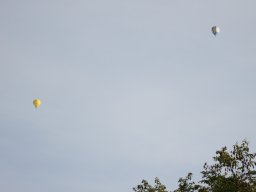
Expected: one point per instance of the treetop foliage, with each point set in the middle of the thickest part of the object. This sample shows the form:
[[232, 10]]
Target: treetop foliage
[[233, 171]]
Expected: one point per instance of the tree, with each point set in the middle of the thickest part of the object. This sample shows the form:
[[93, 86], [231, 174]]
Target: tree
[[145, 187], [232, 172]]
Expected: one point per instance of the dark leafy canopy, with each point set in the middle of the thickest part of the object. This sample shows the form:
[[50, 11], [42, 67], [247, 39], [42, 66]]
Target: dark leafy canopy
[[145, 187], [232, 171]]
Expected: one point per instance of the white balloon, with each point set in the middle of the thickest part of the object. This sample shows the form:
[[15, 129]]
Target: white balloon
[[215, 30]]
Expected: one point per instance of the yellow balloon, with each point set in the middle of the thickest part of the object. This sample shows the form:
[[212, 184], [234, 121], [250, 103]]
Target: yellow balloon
[[37, 103]]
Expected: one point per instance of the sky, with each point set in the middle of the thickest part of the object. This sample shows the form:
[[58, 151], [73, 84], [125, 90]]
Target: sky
[[130, 90]]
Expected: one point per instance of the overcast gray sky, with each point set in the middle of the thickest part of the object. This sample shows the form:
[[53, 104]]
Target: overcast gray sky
[[130, 90]]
